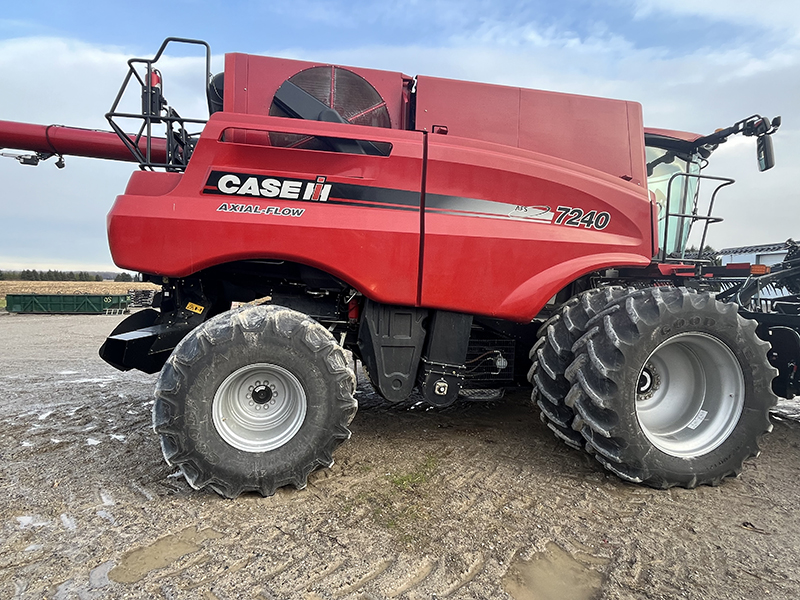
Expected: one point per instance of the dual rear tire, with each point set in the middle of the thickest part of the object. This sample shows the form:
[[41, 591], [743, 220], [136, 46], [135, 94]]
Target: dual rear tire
[[666, 386], [552, 354]]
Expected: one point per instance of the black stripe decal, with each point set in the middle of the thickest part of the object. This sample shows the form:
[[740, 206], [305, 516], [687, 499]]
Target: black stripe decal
[[365, 196], [370, 205], [343, 191], [349, 191]]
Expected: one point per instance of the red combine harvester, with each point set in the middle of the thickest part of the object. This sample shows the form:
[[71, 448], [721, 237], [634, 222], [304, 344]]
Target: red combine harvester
[[459, 238]]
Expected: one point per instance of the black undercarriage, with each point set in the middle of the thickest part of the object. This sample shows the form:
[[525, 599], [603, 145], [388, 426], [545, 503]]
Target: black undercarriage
[[440, 353]]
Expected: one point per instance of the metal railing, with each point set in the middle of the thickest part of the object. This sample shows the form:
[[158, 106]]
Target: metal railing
[[178, 142], [691, 217]]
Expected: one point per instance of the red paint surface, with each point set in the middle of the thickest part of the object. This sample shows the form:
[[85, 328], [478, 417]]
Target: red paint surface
[[497, 267], [181, 232], [72, 141], [509, 268], [596, 132]]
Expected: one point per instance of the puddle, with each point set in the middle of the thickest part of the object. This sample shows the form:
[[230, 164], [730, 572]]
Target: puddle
[[135, 564], [788, 409], [552, 575], [28, 521]]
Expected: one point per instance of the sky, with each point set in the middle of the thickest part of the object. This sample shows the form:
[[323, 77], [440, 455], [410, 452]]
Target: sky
[[694, 66]]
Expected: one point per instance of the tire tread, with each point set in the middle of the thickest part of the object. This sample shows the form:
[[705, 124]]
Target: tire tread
[[246, 323], [597, 396], [553, 353]]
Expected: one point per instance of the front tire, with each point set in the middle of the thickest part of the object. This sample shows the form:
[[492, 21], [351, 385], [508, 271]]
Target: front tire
[[671, 388], [252, 400]]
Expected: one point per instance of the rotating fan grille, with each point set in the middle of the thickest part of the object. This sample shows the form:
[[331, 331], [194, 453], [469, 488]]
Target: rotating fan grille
[[349, 94]]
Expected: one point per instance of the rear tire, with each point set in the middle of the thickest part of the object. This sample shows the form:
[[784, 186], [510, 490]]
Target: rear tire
[[252, 400], [552, 354], [672, 388]]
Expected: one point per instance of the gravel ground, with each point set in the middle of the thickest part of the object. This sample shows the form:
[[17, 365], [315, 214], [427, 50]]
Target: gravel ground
[[477, 501]]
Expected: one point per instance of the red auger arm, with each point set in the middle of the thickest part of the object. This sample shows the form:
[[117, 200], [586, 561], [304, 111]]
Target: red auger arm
[[49, 140]]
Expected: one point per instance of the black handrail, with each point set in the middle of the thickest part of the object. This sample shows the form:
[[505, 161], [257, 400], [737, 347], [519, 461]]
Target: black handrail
[[179, 143], [708, 218]]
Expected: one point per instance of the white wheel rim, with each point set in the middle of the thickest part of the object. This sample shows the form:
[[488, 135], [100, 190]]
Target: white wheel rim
[[690, 395], [259, 407]]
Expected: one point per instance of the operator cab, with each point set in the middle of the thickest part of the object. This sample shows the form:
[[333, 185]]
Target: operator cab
[[674, 161], [672, 178]]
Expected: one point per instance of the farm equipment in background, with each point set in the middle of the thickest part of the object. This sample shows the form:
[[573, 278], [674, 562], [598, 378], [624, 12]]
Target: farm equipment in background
[[458, 238], [69, 304]]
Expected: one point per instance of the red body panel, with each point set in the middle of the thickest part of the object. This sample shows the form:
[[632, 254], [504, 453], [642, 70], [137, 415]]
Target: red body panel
[[373, 249], [527, 192], [510, 262], [600, 133], [72, 141], [487, 261]]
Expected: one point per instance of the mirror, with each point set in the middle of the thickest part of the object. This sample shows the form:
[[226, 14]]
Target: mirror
[[764, 152]]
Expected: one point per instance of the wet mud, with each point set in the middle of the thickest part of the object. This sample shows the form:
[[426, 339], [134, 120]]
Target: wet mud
[[478, 501]]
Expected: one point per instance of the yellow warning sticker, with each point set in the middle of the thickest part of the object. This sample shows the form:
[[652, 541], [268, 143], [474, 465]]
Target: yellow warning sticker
[[195, 308]]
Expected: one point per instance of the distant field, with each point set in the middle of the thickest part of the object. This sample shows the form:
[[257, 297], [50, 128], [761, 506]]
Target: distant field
[[69, 287]]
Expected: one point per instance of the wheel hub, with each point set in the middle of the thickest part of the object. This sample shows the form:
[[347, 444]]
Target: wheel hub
[[262, 394], [649, 382]]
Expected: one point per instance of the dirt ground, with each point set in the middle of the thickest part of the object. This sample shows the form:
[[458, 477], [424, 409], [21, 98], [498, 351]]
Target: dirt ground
[[478, 501]]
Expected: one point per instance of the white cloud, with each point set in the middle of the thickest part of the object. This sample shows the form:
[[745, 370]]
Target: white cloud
[[774, 14], [58, 81], [55, 80]]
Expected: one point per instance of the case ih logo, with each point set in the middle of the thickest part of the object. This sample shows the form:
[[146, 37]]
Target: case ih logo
[[260, 186]]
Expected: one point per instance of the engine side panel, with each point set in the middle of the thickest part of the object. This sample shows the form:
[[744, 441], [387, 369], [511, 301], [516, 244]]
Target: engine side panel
[[601, 133], [499, 237], [234, 202], [505, 229]]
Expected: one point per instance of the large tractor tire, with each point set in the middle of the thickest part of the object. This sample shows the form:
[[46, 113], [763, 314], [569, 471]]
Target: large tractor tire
[[552, 354], [252, 400], [671, 388]]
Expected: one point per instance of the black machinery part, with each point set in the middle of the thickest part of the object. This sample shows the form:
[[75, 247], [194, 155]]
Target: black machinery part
[[146, 338], [333, 94], [442, 374], [390, 340]]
